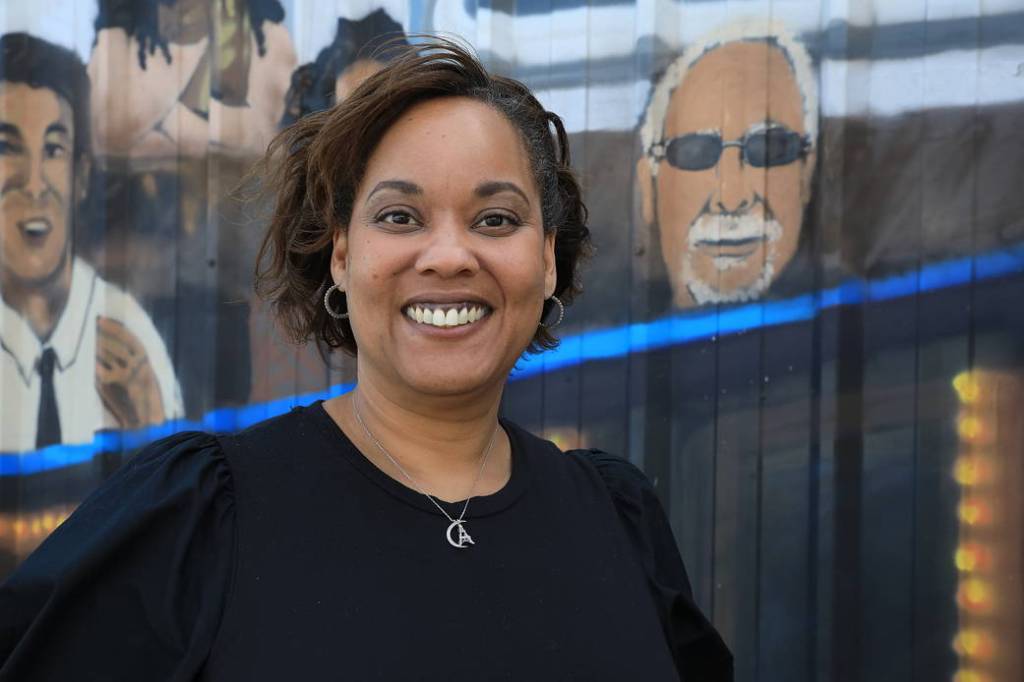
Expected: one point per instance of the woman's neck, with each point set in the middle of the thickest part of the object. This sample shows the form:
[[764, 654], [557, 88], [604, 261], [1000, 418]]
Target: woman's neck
[[438, 441]]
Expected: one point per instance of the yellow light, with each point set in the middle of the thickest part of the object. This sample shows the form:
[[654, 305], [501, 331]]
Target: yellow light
[[974, 512], [975, 595], [967, 675], [974, 644], [967, 387], [968, 470], [966, 560], [972, 557], [969, 428]]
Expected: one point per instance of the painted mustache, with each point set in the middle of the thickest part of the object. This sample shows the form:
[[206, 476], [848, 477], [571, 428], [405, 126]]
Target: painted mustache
[[718, 230]]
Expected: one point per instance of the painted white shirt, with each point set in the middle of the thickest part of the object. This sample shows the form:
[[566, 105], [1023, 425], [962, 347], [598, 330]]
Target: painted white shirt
[[79, 406]]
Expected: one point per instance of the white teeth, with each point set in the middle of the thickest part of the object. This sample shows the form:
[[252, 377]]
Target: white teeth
[[452, 317], [37, 226]]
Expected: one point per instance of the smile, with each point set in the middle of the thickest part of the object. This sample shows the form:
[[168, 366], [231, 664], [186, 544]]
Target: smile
[[36, 227], [446, 314]]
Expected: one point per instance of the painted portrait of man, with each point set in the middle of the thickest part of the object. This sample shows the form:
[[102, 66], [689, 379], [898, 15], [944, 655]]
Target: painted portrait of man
[[728, 154], [78, 355]]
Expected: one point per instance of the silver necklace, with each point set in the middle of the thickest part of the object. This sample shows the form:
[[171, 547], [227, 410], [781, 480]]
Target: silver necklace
[[455, 534]]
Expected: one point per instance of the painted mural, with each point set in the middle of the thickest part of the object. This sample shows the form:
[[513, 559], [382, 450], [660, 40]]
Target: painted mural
[[803, 319]]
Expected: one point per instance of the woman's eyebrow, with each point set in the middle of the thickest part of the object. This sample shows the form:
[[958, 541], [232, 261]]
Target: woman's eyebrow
[[403, 186], [487, 189]]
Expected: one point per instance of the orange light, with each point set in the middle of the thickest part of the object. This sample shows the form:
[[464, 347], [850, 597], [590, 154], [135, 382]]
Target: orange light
[[974, 512], [967, 387], [971, 556], [974, 644], [975, 595]]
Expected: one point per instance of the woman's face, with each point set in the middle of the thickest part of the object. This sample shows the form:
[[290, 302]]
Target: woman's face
[[446, 227]]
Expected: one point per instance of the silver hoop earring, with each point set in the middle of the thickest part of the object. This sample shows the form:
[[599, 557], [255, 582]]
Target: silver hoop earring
[[327, 305], [561, 313]]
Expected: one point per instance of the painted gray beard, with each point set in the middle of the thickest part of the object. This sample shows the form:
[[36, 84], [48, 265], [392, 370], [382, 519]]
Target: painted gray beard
[[709, 227]]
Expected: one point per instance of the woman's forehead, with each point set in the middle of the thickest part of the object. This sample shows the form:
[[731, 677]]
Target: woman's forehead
[[449, 143]]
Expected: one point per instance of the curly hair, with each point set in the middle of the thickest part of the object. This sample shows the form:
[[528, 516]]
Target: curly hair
[[315, 166]]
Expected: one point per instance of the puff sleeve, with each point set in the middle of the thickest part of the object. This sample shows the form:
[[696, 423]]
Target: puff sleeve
[[132, 585], [698, 649]]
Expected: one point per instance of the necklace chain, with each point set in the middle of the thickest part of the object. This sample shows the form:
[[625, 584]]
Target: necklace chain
[[380, 446]]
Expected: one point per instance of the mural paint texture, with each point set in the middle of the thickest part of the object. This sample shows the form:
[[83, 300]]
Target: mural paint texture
[[810, 265]]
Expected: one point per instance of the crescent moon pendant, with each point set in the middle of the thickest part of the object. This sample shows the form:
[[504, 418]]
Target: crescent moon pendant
[[463, 540]]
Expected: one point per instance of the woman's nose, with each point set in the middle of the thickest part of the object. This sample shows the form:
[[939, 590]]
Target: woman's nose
[[448, 250]]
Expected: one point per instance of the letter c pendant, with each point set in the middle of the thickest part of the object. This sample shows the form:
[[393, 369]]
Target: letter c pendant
[[463, 540]]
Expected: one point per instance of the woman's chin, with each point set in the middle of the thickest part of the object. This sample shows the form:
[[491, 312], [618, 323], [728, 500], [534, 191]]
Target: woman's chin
[[449, 381]]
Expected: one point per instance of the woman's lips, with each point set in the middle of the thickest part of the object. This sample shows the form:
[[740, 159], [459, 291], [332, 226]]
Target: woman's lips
[[447, 315]]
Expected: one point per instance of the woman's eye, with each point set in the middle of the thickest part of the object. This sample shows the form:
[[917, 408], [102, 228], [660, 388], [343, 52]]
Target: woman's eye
[[397, 218], [498, 222]]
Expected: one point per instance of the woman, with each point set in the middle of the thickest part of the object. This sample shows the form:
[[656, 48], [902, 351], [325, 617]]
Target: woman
[[402, 531]]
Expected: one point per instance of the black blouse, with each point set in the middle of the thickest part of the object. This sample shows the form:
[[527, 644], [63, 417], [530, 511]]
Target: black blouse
[[283, 553]]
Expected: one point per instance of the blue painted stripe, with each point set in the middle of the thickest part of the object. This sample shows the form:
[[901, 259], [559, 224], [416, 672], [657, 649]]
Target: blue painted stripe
[[601, 344], [222, 420], [703, 324]]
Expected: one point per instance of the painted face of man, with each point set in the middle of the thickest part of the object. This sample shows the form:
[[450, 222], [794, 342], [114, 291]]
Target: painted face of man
[[36, 185], [733, 175]]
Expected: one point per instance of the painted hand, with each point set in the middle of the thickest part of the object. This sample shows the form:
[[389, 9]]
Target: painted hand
[[125, 378]]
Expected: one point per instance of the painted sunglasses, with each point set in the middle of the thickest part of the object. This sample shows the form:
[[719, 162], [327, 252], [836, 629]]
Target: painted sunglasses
[[762, 149]]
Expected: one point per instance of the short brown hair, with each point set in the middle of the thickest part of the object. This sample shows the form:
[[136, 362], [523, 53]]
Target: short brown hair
[[314, 168]]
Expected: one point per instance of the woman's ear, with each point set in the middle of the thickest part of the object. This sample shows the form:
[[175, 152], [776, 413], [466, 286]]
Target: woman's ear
[[339, 258], [550, 268]]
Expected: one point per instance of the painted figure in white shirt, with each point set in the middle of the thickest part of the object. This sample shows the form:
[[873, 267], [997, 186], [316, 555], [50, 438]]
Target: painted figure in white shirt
[[110, 367]]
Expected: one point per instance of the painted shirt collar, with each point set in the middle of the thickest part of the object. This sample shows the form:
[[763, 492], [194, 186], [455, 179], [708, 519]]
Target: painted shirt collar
[[18, 339]]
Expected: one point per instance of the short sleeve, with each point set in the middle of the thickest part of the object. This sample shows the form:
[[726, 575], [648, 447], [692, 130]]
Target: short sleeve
[[698, 649], [132, 585]]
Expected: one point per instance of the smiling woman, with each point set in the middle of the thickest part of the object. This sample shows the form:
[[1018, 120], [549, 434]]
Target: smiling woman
[[431, 225]]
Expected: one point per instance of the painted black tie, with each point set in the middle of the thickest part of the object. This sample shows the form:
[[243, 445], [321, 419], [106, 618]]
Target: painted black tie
[[48, 424]]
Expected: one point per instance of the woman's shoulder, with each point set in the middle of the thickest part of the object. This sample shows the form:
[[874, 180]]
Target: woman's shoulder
[[154, 544], [624, 481], [165, 469], [279, 442], [620, 475]]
